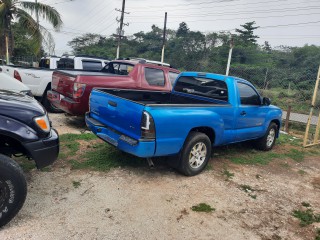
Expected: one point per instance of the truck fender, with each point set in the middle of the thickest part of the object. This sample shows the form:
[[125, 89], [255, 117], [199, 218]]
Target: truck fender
[[273, 116], [16, 130], [214, 129]]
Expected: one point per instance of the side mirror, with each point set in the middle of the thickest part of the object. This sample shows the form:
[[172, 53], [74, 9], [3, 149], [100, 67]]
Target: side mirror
[[266, 101]]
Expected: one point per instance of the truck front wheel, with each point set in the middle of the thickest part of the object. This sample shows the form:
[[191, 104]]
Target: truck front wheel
[[267, 142], [195, 154], [13, 189]]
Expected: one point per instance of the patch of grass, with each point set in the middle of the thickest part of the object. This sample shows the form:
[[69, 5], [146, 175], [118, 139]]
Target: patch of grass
[[296, 155], [46, 169], [246, 188], [68, 137], [209, 167], [306, 217], [203, 207], [255, 157], [253, 196], [317, 234], [306, 204], [301, 172], [104, 157], [286, 139], [284, 165], [76, 184], [26, 164], [227, 174], [70, 144]]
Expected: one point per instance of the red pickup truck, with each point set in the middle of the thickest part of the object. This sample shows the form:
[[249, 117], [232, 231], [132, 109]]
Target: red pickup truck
[[71, 89]]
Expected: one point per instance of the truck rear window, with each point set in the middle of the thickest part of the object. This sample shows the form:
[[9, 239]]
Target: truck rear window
[[154, 77], [205, 87]]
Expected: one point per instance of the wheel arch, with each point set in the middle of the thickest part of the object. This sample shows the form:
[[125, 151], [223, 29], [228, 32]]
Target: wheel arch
[[206, 130], [277, 122], [10, 144]]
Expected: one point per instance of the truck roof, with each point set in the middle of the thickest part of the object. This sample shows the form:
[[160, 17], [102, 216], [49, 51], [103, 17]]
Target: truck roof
[[136, 61]]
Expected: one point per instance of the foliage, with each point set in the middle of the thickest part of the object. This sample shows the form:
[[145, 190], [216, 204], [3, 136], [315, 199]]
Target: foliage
[[203, 207], [21, 12]]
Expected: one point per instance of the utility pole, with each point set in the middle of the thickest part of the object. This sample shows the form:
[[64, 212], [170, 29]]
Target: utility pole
[[164, 36], [230, 55], [120, 33], [37, 13]]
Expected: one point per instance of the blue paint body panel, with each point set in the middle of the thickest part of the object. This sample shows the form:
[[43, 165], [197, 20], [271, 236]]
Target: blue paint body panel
[[116, 115]]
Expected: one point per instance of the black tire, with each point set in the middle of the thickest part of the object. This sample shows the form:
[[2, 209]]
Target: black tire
[[267, 142], [47, 104], [191, 164], [13, 189]]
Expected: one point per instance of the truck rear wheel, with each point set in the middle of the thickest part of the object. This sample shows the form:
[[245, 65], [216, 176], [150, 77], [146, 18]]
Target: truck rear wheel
[[267, 142], [13, 189], [195, 154]]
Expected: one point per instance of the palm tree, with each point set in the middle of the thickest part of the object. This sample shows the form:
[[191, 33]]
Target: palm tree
[[21, 12]]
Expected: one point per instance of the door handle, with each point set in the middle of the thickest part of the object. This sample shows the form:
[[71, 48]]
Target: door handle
[[243, 113]]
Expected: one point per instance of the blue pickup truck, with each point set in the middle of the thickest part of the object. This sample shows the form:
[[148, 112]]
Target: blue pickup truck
[[202, 110]]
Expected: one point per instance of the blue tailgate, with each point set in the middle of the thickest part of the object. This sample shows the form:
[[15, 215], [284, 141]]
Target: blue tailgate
[[118, 121]]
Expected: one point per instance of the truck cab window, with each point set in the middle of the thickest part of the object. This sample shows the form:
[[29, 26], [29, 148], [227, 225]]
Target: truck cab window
[[154, 77], [91, 65], [248, 96]]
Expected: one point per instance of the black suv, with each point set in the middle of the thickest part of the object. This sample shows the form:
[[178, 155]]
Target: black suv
[[25, 130]]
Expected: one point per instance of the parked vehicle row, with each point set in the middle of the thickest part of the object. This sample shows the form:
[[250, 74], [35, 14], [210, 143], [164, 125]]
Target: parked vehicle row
[[144, 108], [39, 79], [71, 89]]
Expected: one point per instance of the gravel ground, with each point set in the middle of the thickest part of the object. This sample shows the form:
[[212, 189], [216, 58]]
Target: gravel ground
[[156, 203]]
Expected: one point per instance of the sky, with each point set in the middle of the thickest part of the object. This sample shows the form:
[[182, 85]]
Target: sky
[[281, 22]]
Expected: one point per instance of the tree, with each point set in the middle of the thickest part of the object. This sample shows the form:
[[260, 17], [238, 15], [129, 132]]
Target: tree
[[21, 11], [183, 30], [246, 34]]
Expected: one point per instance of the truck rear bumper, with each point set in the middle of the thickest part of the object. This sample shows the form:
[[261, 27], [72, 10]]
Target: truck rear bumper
[[45, 151], [66, 104], [125, 143]]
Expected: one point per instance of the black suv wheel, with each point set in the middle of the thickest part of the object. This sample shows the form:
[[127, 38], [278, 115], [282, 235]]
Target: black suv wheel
[[13, 189]]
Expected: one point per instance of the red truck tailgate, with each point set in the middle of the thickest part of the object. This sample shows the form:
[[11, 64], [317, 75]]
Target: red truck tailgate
[[63, 83]]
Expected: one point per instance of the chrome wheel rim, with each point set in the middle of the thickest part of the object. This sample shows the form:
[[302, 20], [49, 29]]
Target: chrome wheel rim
[[271, 136], [197, 155]]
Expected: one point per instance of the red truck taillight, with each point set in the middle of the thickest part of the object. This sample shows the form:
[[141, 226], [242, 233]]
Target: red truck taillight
[[78, 89], [147, 126], [17, 76]]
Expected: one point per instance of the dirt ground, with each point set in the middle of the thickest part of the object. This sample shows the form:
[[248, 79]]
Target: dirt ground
[[145, 203]]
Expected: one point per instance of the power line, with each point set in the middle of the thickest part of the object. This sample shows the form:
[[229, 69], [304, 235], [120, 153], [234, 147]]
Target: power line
[[217, 7], [239, 12]]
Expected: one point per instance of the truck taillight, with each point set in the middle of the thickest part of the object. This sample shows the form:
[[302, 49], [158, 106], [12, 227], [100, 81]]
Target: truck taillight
[[147, 126], [17, 76], [78, 89]]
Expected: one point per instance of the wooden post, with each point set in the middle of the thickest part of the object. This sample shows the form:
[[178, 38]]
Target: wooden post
[[286, 126], [311, 114], [7, 48]]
